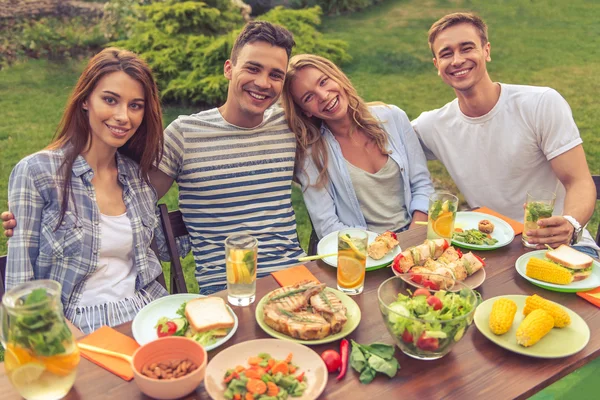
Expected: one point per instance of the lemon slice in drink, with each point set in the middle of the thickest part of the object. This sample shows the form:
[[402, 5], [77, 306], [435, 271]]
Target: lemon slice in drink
[[27, 374], [351, 271], [355, 249]]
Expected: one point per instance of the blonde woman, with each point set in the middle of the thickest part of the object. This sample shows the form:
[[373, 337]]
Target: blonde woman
[[359, 165]]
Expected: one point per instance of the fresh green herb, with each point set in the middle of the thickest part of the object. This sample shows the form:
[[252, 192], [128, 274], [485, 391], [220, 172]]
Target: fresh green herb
[[250, 262], [295, 317], [288, 294], [435, 209], [42, 329], [324, 297], [537, 210], [373, 358]]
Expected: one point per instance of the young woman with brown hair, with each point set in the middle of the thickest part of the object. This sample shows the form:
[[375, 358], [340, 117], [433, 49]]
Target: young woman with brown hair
[[84, 204]]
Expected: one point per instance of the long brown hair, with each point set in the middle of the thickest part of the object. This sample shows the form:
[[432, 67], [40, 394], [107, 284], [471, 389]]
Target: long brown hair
[[308, 129], [73, 133]]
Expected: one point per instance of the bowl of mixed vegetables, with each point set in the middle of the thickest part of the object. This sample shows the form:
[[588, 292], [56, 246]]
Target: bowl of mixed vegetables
[[426, 324]]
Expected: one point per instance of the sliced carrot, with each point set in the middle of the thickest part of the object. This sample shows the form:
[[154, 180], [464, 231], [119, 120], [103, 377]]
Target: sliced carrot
[[288, 359], [237, 396], [254, 360], [255, 373], [292, 368], [272, 389], [249, 396], [239, 369], [256, 386], [280, 367], [271, 362]]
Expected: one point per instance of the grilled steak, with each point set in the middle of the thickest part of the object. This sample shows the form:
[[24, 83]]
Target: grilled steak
[[331, 308], [300, 325], [294, 298]]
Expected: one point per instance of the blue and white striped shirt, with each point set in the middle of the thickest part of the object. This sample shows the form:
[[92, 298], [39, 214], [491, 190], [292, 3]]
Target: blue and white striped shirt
[[69, 254], [234, 180]]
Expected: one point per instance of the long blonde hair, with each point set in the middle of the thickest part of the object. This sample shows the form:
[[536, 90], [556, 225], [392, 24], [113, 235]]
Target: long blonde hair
[[308, 129]]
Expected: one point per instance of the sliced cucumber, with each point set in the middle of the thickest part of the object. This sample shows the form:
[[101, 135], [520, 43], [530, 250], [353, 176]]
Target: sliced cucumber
[[182, 325]]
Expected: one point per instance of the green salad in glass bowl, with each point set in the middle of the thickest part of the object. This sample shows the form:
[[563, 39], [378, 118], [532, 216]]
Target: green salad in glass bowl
[[425, 323]]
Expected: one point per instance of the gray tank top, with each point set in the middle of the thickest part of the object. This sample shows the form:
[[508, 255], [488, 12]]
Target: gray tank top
[[381, 196]]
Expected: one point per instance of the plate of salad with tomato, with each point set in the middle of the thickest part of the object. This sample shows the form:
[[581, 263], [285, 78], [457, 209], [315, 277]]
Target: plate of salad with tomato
[[166, 317]]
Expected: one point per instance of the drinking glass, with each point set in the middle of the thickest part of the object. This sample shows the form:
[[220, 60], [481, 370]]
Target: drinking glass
[[240, 257], [352, 260], [442, 214], [41, 357], [539, 204]]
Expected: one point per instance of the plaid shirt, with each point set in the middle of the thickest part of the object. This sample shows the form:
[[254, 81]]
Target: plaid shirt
[[69, 254]]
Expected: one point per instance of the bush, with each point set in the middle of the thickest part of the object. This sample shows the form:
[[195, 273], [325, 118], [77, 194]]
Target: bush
[[187, 42], [60, 37], [329, 7]]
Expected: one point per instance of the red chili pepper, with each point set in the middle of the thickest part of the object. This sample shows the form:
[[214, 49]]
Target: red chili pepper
[[445, 245], [460, 253], [344, 349], [300, 377], [480, 259]]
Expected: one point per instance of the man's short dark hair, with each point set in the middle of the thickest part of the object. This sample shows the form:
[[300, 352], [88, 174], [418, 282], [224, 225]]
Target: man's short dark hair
[[262, 31]]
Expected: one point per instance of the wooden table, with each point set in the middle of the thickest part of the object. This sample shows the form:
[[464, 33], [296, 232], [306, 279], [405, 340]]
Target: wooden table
[[475, 368]]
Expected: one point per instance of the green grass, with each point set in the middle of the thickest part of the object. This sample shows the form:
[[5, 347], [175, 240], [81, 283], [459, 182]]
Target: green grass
[[537, 43]]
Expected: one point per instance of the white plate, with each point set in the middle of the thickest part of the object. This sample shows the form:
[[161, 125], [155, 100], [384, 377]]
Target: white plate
[[143, 326], [592, 282], [306, 359], [503, 232], [558, 343], [329, 244]]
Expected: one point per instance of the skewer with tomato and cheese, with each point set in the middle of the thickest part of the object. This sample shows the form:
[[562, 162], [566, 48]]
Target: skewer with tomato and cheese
[[418, 255]]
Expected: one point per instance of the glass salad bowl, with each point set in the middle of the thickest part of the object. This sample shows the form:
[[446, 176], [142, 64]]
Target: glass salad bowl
[[426, 323]]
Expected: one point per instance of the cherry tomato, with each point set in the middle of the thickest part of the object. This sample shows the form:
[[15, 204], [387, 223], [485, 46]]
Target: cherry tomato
[[460, 253], [333, 360], [167, 329], [435, 302], [407, 337], [427, 344], [421, 292], [445, 245], [430, 285], [393, 234]]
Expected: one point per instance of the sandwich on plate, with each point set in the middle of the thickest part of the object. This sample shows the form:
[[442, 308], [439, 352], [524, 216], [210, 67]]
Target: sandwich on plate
[[204, 320], [561, 266]]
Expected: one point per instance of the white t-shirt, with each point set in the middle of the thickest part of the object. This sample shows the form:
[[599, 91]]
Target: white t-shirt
[[114, 277], [496, 158]]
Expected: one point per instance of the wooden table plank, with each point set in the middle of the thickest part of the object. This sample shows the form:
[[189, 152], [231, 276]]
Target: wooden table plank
[[475, 368]]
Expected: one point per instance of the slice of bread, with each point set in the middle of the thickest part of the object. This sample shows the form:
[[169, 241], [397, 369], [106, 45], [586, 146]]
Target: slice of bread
[[206, 313], [569, 257]]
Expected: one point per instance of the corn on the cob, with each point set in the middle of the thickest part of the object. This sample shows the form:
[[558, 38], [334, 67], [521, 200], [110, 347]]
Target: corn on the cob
[[561, 318], [534, 327], [502, 316], [548, 272]]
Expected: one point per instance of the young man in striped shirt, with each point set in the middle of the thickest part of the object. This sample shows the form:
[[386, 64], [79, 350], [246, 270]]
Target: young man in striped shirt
[[234, 164]]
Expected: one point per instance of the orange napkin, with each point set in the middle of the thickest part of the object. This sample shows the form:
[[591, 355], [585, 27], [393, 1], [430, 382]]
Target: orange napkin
[[293, 275], [593, 296], [109, 339], [517, 226]]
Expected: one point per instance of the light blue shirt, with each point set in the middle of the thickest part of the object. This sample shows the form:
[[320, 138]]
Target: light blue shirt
[[335, 206]]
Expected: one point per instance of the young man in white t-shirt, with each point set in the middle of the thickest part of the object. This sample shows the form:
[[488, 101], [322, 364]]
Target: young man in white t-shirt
[[498, 141]]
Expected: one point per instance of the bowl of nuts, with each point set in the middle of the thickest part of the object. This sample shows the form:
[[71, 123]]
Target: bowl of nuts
[[170, 367]]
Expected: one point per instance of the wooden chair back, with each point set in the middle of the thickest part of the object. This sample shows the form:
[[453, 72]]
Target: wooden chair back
[[2, 274], [173, 227], [597, 182]]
